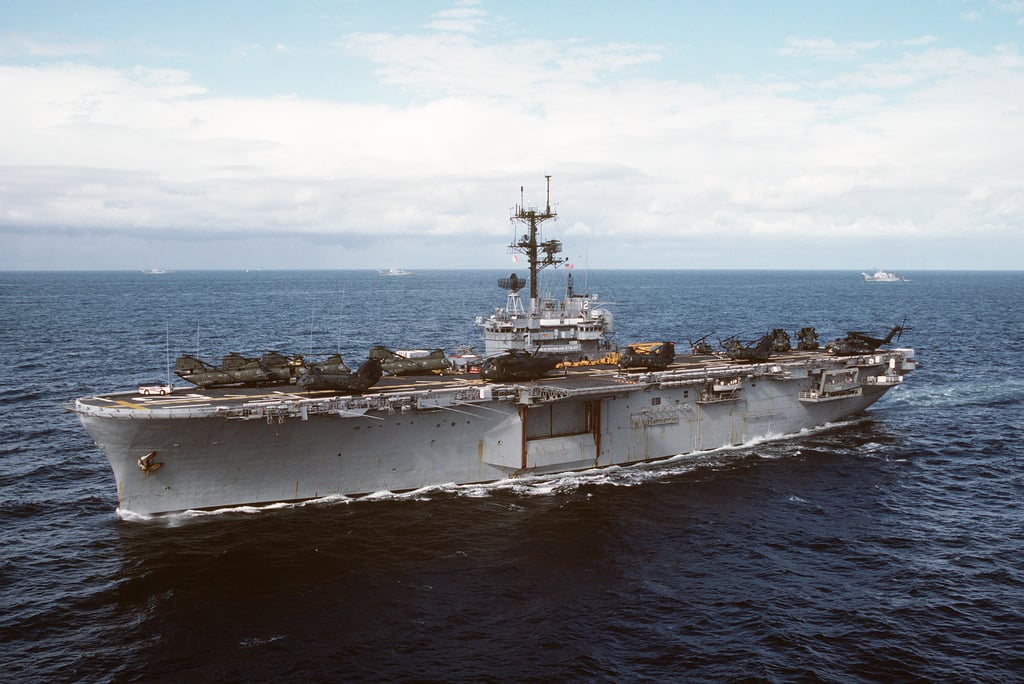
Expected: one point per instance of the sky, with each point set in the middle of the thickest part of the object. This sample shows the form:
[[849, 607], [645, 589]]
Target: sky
[[343, 134]]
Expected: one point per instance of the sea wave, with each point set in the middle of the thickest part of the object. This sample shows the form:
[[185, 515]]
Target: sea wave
[[885, 548]]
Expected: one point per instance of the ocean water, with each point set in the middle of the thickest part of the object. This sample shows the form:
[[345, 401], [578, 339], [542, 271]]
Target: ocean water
[[889, 548]]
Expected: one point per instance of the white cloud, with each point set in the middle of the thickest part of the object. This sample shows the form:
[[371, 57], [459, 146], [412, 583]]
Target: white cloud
[[827, 48], [447, 64], [919, 41], [935, 66], [17, 44], [923, 144], [465, 17], [1011, 7]]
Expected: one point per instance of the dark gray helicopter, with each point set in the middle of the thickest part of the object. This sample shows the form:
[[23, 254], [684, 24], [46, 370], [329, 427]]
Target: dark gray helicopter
[[201, 373], [281, 369], [756, 352], [648, 355], [516, 365], [415, 362], [857, 342], [808, 339], [273, 368], [332, 365], [338, 376], [780, 340], [702, 347]]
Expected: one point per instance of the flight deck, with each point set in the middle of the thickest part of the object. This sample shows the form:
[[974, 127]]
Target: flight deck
[[581, 378]]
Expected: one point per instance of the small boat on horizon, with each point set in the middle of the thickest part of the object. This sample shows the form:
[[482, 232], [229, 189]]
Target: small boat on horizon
[[395, 272], [880, 276]]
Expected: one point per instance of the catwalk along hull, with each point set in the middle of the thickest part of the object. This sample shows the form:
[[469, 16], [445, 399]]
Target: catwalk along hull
[[219, 448]]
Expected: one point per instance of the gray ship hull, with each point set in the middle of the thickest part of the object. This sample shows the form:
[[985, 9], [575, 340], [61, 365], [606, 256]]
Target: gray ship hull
[[210, 450]]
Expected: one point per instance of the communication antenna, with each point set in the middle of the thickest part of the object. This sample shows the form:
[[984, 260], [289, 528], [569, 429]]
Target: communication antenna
[[167, 350], [539, 255], [312, 314], [340, 310]]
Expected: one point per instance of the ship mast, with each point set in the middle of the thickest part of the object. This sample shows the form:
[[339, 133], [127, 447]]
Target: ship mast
[[539, 254]]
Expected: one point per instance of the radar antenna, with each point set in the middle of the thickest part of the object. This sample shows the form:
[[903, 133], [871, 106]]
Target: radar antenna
[[539, 255]]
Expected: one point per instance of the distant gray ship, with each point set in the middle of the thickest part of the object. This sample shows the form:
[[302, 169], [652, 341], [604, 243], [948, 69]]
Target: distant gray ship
[[227, 446], [880, 276]]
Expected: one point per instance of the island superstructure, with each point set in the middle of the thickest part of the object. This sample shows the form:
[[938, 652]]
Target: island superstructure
[[228, 446], [572, 327]]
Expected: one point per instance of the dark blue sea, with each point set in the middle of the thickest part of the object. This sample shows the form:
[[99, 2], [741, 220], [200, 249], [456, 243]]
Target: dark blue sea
[[888, 548]]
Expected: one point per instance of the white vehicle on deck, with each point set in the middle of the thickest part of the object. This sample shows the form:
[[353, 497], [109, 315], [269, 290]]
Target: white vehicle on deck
[[160, 390]]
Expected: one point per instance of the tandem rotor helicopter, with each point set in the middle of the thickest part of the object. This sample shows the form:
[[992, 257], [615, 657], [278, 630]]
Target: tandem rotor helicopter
[[410, 362], [274, 368]]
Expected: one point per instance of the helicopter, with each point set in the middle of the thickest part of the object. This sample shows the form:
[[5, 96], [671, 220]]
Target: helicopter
[[780, 340], [281, 369], [516, 365], [332, 365], [649, 355], [757, 351], [201, 373], [701, 346], [410, 362], [235, 369], [273, 368], [857, 342], [337, 376], [808, 339]]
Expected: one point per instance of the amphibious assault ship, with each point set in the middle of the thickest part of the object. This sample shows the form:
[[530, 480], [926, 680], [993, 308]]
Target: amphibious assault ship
[[217, 446]]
